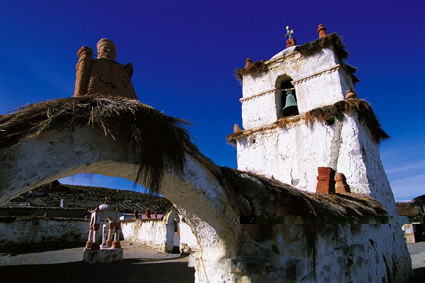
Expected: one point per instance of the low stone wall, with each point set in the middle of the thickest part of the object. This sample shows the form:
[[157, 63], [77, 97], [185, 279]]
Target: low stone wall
[[153, 233], [150, 232], [38, 230], [40, 211]]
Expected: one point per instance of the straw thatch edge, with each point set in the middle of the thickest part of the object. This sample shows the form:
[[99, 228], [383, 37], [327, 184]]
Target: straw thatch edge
[[301, 203], [335, 40], [327, 114], [254, 70], [140, 126], [306, 50]]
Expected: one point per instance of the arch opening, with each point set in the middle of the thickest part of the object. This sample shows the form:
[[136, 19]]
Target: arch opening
[[286, 98], [173, 232]]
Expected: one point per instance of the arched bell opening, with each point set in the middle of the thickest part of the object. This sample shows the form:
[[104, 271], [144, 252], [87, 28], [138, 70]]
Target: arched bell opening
[[286, 99]]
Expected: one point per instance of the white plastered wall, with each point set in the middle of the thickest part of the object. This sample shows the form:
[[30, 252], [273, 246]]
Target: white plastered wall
[[318, 79], [293, 154]]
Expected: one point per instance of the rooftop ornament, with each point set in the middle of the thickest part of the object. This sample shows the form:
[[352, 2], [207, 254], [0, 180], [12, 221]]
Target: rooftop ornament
[[322, 31], [291, 41], [103, 76], [248, 63]]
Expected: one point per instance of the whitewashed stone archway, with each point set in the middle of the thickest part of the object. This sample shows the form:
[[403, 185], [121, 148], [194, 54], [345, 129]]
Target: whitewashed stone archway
[[209, 199], [70, 151]]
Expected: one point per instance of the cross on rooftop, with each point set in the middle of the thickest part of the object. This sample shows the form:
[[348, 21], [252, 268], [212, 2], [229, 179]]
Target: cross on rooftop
[[289, 32]]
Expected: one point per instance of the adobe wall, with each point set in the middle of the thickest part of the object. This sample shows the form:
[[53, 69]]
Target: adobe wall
[[292, 155], [152, 233], [227, 251], [149, 233], [38, 230], [329, 253]]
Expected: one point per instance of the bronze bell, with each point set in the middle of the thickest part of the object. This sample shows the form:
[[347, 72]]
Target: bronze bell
[[291, 106]]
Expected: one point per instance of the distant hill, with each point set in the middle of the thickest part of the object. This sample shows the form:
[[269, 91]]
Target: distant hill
[[50, 195]]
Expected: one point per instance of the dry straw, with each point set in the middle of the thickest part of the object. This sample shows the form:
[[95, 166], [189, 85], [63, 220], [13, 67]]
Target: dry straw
[[158, 140], [327, 114], [306, 50], [301, 203]]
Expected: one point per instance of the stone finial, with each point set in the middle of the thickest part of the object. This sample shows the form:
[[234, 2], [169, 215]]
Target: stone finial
[[341, 184], [325, 180], [103, 76], [89, 244], [106, 48], [236, 128], [291, 42], [248, 63], [116, 244], [322, 31], [351, 95]]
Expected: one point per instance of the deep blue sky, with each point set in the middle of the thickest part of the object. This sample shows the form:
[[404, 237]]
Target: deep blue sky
[[184, 54]]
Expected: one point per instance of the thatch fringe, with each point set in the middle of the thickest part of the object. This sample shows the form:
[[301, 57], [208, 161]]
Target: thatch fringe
[[254, 70], [328, 114], [301, 203], [335, 40], [158, 140]]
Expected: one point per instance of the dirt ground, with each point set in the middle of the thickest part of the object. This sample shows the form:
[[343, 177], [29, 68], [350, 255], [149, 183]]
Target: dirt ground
[[64, 264]]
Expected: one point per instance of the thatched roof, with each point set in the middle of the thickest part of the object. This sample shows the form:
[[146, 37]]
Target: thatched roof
[[255, 68], [335, 40], [141, 125], [251, 186], [328, 114], [405, 209], [306, 50]]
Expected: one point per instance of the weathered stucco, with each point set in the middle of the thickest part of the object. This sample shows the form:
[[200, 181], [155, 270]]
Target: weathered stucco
[[159, 234], [292, 155], [39, 230], [75, 150], [227, 252], [150, 233]]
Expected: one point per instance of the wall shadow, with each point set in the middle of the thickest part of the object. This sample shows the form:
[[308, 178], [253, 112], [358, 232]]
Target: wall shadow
[[126, 271]]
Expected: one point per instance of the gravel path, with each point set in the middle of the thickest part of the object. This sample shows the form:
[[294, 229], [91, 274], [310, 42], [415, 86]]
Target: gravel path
[[65, 265]]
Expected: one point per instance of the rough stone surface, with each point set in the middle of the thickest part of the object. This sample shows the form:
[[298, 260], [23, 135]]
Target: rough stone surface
[[159, 234], [103, 76], [103, 255], [36, 230], [293, 154]]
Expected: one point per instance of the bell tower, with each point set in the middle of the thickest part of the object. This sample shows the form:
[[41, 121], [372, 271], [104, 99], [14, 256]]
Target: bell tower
[[300, 112]]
